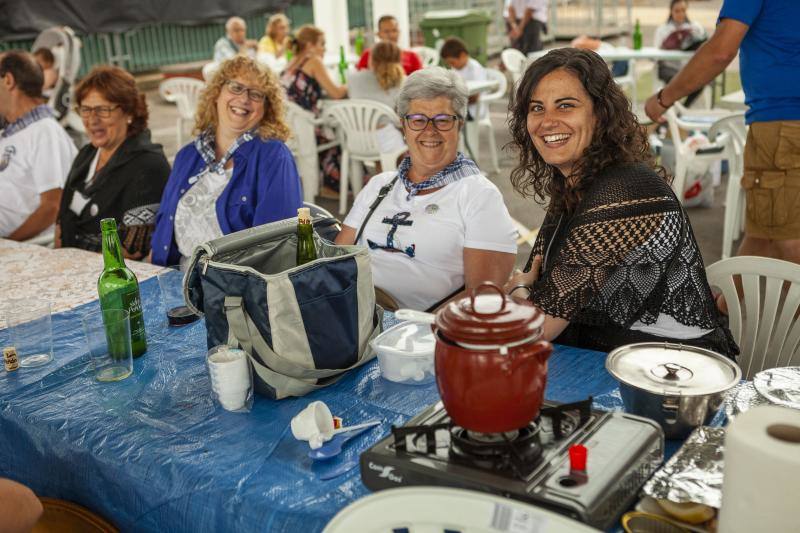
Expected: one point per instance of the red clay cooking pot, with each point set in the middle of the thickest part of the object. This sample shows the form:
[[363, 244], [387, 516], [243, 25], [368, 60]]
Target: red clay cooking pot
[[491, 367]]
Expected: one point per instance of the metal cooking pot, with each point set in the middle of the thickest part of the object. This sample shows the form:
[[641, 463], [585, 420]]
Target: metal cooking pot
[[680, 387], [491, 366]]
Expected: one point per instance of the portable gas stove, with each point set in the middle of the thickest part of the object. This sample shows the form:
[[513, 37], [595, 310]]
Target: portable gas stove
[[531, 464]]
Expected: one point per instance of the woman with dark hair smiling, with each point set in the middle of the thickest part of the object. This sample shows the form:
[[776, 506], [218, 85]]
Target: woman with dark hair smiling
[[615, 261]]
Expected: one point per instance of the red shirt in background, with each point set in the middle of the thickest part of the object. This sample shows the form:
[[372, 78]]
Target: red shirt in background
[[409, 59]]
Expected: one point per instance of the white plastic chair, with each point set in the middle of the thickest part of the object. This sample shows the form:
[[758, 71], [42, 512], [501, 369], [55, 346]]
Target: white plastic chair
[[732, 132], [485, 122], [515, 62], [357, 122], [771, 330], [429, 56], [684, 155], [303, 145], [184, 92]]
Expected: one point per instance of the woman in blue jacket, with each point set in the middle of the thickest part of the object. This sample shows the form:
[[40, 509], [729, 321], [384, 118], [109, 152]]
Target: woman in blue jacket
[[237, 173]]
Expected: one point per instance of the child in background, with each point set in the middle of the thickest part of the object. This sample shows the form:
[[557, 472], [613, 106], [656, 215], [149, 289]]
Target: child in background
[[45, 58], [454, 52]]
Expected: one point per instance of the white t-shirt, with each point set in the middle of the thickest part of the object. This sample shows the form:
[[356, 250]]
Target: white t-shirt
[[469, 213], [34, 160], [474, 71], [539, 7], [196, 215]]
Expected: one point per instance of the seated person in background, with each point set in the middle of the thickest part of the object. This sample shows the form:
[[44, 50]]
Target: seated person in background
[[238, 173], [678, 33], [35, 151], [120, 174], [584, 42], [389, 30], [381, 83], [235, 41], [276, 36], [305, 79], [454, 52], [45, 58], [443, 225], [20, 509], [615, 261]]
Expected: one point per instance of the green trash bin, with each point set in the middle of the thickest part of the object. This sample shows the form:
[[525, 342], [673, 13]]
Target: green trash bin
[[469, 25]]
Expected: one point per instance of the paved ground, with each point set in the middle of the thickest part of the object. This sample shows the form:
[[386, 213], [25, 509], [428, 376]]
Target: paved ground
[[707, 222]]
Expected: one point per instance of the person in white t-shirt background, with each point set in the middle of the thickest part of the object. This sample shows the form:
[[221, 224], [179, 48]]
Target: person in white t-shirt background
[[454, 52], [35, 151], [442, 225]]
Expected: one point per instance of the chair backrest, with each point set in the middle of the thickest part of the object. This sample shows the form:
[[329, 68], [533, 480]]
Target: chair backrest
[[502, 86], [358, 121], [429, 56], [209, 69], [771, 331], [515, 62], [185, 92], [301, 122], [733, 130]]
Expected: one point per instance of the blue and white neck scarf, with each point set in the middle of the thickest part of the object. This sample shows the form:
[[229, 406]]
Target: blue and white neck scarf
[[34, 115], [205, 145], [461, 167]]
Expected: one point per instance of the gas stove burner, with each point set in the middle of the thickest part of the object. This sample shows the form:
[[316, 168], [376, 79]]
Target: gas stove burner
[[518, 451]]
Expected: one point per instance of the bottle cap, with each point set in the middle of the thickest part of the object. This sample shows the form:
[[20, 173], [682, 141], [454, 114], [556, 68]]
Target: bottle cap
[[108, 224], [10, 358], [577, 457], [304, 215]]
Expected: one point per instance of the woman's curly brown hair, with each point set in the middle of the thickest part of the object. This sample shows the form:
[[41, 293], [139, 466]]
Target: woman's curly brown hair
[[617, 138], [273, 123]]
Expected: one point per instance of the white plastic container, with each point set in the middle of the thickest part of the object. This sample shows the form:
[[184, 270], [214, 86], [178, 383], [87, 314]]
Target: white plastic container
[[406, 353]]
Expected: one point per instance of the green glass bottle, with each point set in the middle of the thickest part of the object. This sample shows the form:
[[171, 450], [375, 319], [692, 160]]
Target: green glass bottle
[[637, 36], [342, 66], [118, 287], [359, 43], [306, 251]]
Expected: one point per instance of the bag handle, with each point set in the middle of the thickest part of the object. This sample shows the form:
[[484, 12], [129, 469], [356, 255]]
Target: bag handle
[[383, 193], [242, 331]]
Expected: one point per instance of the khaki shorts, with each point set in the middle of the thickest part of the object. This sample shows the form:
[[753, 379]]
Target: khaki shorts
[[771, 180]]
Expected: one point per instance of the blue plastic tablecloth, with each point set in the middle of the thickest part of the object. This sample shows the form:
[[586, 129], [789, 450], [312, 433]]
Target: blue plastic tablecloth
[[154, 453]]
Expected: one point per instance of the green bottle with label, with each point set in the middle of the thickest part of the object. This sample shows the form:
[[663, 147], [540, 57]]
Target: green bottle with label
[[306, 251], [118, 287], [342, 66], [637, 36]]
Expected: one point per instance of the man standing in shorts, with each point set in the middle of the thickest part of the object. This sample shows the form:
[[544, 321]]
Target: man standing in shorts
[[765, 33]]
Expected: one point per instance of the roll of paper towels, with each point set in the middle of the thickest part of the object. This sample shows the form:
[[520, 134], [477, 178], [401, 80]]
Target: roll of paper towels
[[761, 479]]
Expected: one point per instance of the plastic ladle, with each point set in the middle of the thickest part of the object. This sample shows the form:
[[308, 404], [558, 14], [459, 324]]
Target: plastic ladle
[[333, 447]]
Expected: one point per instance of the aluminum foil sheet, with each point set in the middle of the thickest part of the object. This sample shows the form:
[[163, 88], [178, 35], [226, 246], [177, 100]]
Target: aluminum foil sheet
[[694, 473], [741, 398], [780, 385]]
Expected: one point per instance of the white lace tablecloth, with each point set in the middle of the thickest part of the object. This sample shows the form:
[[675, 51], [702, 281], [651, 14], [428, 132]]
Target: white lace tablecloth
[[66, 277]]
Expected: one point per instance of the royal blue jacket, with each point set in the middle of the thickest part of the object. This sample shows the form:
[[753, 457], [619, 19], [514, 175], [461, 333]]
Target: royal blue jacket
[[265, 187]]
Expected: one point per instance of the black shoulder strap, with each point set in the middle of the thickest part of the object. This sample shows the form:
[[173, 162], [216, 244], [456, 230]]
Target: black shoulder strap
[[381, 195], [433, 308]]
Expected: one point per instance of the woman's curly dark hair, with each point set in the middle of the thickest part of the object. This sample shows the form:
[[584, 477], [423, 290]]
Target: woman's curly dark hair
[[617, 138]]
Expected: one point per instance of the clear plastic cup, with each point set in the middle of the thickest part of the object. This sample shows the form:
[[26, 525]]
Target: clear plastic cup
[[30, 330], [231, 377], [108, 335]]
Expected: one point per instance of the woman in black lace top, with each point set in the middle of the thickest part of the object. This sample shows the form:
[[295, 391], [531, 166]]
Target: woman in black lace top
[[615, 261]]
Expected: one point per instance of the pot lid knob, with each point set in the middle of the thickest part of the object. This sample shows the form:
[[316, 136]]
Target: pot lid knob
[[487, 285], [672, 372]]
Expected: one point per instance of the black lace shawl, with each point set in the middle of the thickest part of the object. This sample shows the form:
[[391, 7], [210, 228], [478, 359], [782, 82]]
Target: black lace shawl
[[626, 254]]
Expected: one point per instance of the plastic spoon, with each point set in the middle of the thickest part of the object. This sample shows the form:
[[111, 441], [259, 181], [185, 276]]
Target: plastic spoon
[[339, 470], [333, 447]]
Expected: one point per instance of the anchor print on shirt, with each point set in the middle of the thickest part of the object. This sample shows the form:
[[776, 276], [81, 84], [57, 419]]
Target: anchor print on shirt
[[400, 219]]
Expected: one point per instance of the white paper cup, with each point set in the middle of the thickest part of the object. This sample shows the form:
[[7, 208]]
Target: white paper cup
[[315, 419], [231, 380], [232, 400]]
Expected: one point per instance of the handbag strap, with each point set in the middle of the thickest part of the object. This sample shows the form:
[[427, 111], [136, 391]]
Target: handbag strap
[[285, 376], [383, 193]]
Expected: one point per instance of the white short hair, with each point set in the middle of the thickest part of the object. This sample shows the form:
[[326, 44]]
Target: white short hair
[[234, 20], [430, 83]]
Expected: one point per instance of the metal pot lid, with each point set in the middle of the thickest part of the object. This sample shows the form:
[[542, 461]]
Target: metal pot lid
[[663, 367], [780, 385], [488, 316]]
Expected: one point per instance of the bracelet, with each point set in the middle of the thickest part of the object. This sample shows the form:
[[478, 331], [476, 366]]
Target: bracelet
[[660, 102], [521, 286]]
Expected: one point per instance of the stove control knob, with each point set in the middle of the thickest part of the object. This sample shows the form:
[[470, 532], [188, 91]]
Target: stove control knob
[[577, 458]]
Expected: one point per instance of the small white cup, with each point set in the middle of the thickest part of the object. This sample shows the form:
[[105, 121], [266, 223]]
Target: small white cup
[[315, 420]]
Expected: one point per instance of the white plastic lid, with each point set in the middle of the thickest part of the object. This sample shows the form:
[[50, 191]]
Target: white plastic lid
[[407, 338]]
